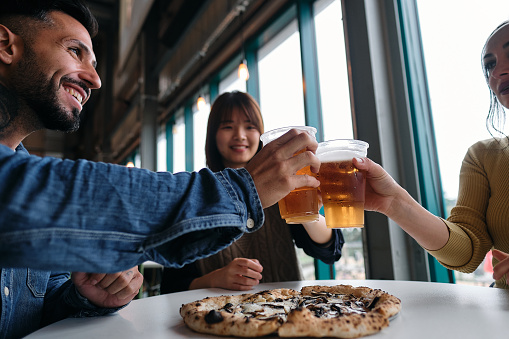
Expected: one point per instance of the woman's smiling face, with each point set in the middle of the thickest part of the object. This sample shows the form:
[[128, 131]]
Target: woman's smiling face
[[237, 140]]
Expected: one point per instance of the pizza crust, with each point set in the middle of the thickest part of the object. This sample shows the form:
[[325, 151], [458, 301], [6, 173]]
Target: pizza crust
[[303, 323]]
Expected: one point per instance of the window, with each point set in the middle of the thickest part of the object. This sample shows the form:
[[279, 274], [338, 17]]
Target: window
[[458, 91], [336, 112], [137, 158], [179, 143], [161, 149], [280, 80], [332, 70], [200, 119]]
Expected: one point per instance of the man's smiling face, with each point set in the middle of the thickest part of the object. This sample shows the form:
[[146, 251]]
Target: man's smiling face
[[56, 73]]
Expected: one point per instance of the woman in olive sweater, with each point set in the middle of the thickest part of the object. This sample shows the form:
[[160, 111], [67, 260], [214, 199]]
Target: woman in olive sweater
[[480, 220]]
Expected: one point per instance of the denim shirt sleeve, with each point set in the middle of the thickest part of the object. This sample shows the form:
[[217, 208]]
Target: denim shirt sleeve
[[107, 218]]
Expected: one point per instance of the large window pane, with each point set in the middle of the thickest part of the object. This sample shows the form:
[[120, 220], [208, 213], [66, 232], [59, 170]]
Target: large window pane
[[280, 74], [333, 74], [179, 143], [161, 149], [458, 91], [200, 119]]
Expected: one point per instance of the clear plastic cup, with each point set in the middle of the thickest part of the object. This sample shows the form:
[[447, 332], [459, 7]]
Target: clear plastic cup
[[301, 204], [342, 185]]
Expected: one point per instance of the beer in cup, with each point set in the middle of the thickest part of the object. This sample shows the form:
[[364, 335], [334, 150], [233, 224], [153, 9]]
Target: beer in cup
[[341, 184], [301, 204]]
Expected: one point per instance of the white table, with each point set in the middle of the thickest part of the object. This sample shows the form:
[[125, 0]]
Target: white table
[[429, 310]]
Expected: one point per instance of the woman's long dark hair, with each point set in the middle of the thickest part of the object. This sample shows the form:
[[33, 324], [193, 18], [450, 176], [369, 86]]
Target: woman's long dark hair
[[222, 110], [495, 120]]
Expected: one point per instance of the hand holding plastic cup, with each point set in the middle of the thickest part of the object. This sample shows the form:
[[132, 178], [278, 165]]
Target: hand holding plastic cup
[[342, 185], [301, 204]]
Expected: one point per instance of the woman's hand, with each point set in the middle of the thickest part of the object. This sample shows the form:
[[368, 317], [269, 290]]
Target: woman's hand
[[240, 274], [385, 195], [503, 265], [381, 188]]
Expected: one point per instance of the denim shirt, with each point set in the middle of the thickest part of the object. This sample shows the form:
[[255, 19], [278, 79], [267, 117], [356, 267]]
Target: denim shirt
[[62, 215], [31, 299], [95, 217]]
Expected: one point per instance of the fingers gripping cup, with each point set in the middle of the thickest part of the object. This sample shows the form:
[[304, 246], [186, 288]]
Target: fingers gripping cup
[[301, 204], [342, 185]]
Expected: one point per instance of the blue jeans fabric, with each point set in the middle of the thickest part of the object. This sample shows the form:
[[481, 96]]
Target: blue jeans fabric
[[62, 215]]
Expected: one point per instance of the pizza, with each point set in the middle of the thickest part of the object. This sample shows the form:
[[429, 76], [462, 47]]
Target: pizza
[[340, 311]]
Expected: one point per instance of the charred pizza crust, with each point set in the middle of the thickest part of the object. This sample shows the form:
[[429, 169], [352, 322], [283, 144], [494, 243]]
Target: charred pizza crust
[[303, 323], [341, 311]]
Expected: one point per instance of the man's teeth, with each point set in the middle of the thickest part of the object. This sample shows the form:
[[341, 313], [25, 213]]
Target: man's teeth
[[75, 94]]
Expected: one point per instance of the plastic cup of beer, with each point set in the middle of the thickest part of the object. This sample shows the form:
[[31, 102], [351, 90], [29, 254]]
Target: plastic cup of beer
[[301, 204], [342, 185]]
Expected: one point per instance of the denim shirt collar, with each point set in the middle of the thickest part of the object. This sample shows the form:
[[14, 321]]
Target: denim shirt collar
[[21, 148]]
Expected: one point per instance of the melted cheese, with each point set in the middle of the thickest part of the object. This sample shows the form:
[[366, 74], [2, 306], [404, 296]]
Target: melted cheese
[[326, 305], [262, 309], [323, 305]]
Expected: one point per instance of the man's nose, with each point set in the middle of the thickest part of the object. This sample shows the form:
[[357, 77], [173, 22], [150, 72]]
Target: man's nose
[[90, 76]]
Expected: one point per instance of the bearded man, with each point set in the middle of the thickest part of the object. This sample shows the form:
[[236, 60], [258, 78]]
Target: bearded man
[[59, 216]]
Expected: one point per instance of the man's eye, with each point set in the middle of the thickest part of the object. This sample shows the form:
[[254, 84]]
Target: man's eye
[[75, 50]]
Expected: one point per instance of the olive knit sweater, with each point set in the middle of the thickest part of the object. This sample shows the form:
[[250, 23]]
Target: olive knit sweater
[[480, 219]]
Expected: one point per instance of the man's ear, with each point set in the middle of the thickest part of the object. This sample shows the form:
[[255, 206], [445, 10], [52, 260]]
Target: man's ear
[[10, 45]]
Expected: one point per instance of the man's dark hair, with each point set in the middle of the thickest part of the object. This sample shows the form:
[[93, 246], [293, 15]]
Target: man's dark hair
[[39, 10]]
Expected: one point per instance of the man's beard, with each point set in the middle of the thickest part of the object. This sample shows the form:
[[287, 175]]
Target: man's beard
[[33, 87]]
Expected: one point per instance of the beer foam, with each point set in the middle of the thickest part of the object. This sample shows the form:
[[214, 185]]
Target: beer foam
[[337, 155]]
